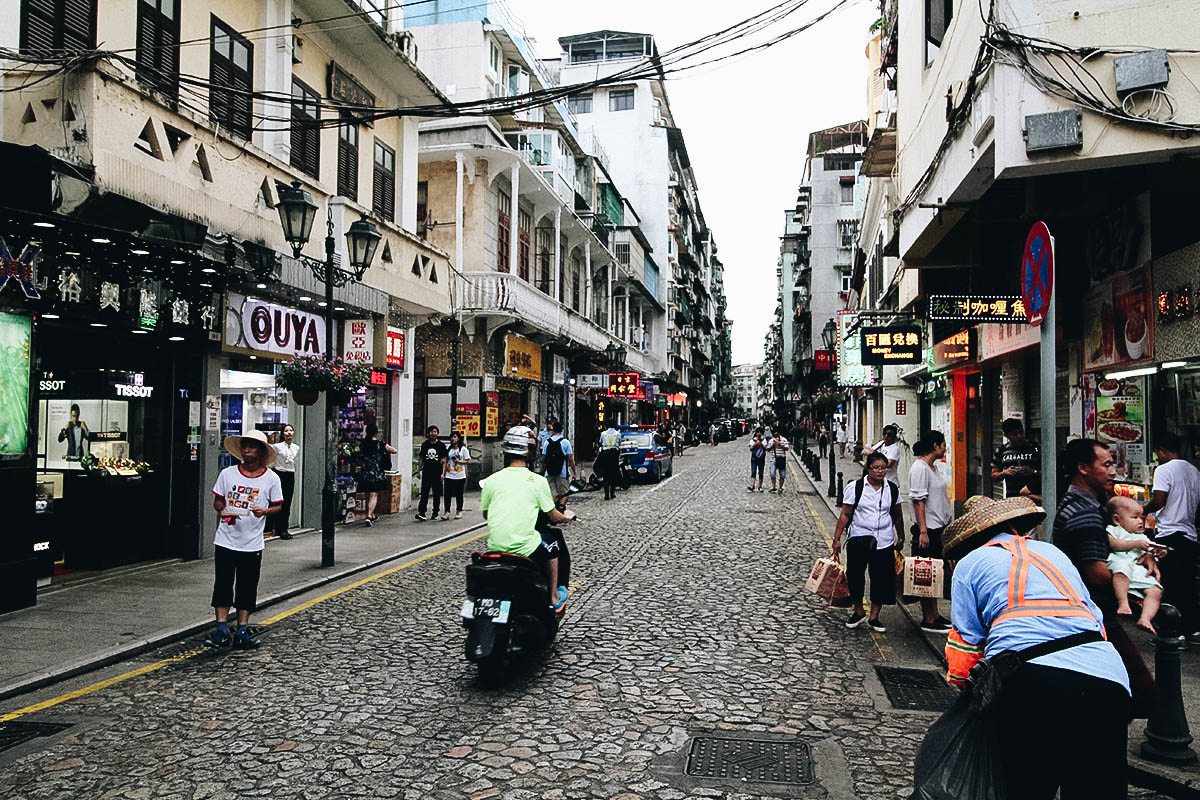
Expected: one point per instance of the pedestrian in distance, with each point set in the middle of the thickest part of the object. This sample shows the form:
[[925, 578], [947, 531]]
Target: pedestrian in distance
[[1175, 496], [286, 453], [712, 433], [608, 461], [680, 436], [822, 440], [871, 518], [1023, 599], [1126, 544], [758, 460], [244, 496], [778, 449], [454, 478], [931, 512], [376, 463], [1018, 461], [544, 434], [432, 458], [889, 445], [842, 436], [558, 459]]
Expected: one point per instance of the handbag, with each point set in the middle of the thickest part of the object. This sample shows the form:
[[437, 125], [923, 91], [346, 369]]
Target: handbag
[[822, 576]]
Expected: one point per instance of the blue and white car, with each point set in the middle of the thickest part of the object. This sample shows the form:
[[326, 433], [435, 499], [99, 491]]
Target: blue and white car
[[643, 457]]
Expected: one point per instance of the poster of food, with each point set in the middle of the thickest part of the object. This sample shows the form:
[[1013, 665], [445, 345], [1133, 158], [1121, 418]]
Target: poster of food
[[14, 385], [1121, 423], [1189, 398], [1117, 325]]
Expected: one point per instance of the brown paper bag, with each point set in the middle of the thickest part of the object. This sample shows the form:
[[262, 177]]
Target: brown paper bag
[[822, 576], [923, 577]]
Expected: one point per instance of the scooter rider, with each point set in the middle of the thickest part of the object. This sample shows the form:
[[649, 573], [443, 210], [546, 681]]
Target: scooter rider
[[510, 502]]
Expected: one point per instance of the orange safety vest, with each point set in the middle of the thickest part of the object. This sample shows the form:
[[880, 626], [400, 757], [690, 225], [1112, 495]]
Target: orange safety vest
[[961, 656]]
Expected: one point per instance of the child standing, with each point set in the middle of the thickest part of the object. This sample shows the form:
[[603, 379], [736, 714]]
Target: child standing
[[1126, 546]]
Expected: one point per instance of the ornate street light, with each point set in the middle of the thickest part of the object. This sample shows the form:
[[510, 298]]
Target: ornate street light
[[296, 214], [363, 240], [829, 335]]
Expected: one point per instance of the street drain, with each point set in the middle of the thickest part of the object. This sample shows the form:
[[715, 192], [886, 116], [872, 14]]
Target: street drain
[[15, 733], [916, 689], [757, 760]]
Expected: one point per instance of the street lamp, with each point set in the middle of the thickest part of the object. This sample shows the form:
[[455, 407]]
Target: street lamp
[[297, 211], [829, 337]]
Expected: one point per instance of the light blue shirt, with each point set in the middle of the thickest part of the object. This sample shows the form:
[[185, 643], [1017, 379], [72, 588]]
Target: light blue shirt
[[610, 438], [980, 594], [566, 448]]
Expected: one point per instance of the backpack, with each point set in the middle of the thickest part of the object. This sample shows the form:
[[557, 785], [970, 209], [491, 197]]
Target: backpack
[[554, 458], [858, 491]]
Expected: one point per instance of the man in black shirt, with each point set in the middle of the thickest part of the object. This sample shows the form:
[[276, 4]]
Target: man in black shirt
[[1018, 462], [432, 459]]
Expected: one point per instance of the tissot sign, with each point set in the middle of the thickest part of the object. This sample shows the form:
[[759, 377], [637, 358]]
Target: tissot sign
[[270, 328]]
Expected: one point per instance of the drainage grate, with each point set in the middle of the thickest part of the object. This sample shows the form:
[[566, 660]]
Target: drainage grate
[[756, 760], [15, 733], [916, 689]]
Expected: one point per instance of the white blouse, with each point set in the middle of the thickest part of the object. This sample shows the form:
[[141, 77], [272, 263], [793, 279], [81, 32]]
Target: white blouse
[[285, 456]]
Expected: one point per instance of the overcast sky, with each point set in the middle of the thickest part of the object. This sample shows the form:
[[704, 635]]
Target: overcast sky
[[745, 120]]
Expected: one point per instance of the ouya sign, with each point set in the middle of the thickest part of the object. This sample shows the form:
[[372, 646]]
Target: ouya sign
[[278, 329]]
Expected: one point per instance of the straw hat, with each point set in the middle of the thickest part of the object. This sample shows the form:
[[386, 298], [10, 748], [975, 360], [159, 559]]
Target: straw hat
[[982, 518], [233, 446]]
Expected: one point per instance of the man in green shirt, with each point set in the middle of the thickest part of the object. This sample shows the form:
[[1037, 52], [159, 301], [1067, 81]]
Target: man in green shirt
[[510, 502]]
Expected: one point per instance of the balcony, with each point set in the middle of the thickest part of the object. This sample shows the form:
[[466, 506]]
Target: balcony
[[489, 293]]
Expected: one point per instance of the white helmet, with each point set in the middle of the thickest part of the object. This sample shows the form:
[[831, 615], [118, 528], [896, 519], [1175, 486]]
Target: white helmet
[[516, 441]]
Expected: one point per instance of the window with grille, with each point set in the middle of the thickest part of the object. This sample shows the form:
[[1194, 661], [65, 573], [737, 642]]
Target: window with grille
[[847, 231], [347, 166], [231, 79], [524, 223], [576, 282], [158, 45], [51, 26], [503, 231], [306, 133], [544, 253], [622, 253], [580, 103], [383, 182], [423, 209], [620, 99]]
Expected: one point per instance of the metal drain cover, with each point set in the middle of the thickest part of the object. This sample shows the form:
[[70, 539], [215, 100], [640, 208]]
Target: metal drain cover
[[15, 733], [916, 689], [757, 760]]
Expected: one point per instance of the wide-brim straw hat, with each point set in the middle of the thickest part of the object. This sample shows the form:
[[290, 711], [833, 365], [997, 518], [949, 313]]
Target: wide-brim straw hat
[[233, 446], [984, 518]]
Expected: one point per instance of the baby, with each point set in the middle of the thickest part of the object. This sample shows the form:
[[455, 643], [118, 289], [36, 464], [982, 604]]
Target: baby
[[1125, 541]]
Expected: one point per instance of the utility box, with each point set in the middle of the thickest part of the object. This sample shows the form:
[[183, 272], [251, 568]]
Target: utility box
[[1058, 130], [1148, 70]]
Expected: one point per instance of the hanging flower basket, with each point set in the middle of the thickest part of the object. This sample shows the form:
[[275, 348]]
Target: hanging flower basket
[[305, 397], [307, 375]]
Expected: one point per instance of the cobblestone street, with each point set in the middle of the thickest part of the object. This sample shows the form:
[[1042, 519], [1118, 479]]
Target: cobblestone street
[[688, 618]]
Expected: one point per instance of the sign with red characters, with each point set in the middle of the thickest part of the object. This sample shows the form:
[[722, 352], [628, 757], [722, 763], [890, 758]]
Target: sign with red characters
[[626, 385], [395, 348]]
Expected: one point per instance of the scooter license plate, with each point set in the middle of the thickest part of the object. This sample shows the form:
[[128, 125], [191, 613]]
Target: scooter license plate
[[496, 609]]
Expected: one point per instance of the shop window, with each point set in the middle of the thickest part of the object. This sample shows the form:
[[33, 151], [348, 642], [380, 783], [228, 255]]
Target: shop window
[[50, 26], [347, 166], [383, 183], [230, 73], [158, 45], [524, 223], [620, 99], [306, 131], [503, 230]]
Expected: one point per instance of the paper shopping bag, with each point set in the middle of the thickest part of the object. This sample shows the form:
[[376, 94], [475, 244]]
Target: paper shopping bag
[[923, 577], [821, 577], [840, 596]]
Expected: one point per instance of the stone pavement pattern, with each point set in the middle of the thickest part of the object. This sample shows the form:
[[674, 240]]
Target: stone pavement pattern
[[688, 616]]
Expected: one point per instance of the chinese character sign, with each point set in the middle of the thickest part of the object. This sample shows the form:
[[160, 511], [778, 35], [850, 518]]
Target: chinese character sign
[[850, 369], [978, 308], [523, 358], [358, 339], [896, 344], [952, 350], [626, 385], [395, 348]]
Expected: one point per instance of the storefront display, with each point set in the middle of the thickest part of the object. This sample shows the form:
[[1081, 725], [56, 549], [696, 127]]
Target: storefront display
[[15, 334], [1118, 327]]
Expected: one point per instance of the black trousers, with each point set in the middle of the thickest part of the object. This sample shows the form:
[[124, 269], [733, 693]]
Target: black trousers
[[430, 482], [454, 491], [863, 554], [608, 463], [553, 546], [1178, 569], [279, 522], [242, 568], [1088, 717]]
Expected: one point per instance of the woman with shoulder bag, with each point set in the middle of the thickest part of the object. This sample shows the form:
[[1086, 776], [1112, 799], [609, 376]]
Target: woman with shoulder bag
[[455, 474], [377, 460], [932, 513]]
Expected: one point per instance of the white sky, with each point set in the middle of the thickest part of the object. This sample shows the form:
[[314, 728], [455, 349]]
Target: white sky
[[746, 120]]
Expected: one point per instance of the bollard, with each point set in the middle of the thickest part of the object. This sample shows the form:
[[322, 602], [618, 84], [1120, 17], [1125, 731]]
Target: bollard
[[841, 487], [1167, 734], [815, 467], [831, 467]]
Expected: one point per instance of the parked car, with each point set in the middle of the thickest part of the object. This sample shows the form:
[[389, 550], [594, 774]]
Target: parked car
[[724, 430], [646, 458]]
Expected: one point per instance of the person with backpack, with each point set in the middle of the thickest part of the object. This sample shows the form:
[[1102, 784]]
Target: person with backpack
[[872, 513], [758, 459], [558, 460]]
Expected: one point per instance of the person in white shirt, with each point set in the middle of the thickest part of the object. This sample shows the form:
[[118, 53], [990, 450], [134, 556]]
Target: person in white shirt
[[842, 436], [932, 513], [778, 448], [871, 510], [454, 474], [286, 453], [889, 445], [1176, 495], [243, 496]]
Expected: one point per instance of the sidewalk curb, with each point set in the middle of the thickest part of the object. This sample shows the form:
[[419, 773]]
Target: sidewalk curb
[[118, 653]]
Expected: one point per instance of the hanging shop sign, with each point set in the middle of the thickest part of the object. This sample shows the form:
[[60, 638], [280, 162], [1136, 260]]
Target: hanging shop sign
[[821, 361], [258, 325], [589, 381], [892, 344], [660, 401], [1174, 305], [952, 350], [523, 357], [978, 308], [850, 369], [1117, 321], [379, 377], [15, 341], [345, 89], [492, 414], [358, 340], [676, 399], [997, 340], [560, 371], [395, 348], [626, 385], [1037, 272]]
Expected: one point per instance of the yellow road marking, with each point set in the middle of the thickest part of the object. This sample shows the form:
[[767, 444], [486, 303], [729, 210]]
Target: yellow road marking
[[157, 665]]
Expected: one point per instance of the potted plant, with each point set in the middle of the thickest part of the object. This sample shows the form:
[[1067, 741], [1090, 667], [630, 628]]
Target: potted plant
[[307, 376]]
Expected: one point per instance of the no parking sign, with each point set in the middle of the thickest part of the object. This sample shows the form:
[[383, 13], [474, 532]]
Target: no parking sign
[[1037, 272]]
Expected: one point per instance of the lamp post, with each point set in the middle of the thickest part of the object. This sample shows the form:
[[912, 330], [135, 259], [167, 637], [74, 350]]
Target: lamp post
[[829, 339], [296, 214]]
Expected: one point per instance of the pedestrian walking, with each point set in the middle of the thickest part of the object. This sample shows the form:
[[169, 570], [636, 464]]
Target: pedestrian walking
[[712, 433], [822, 440], [544, 434], [1020, 597], [871, 517], [889, 446], [758, 460], [1018, 461], [376, 463], [286, 453], [680, 435], [432, 458], [842, 436], [1174, 500], [243, 496], [608, 461], [931, 512], [454, 478], [559, 461], [778, 448]]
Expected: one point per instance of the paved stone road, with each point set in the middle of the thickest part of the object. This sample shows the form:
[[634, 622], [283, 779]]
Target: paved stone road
[[688, 617]]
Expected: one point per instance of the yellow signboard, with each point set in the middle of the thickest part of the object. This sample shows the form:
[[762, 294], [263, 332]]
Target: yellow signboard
[[523, 358], [467, 425]]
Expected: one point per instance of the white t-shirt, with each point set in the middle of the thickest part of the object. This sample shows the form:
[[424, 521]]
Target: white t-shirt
[[456, 463], [841, 433], [243, 492], [892, 451], [926, 483], [873, 517], [1181, 481]]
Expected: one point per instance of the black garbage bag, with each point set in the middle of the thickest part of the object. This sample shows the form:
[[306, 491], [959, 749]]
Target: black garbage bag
[[960, 757]]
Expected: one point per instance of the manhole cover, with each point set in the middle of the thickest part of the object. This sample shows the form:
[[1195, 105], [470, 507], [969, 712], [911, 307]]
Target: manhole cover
[[15, 733], [915, 689], [756, 760]]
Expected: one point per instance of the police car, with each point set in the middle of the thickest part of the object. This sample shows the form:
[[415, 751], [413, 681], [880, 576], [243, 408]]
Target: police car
[[642, 457]]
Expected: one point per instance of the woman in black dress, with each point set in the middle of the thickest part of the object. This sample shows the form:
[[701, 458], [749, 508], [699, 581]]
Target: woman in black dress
[[376, 460]]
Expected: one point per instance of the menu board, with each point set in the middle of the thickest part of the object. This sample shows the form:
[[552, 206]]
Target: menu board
[[1121, 424]]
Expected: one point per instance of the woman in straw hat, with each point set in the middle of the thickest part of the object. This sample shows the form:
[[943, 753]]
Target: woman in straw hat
[[244, 495], [1021, 596]]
